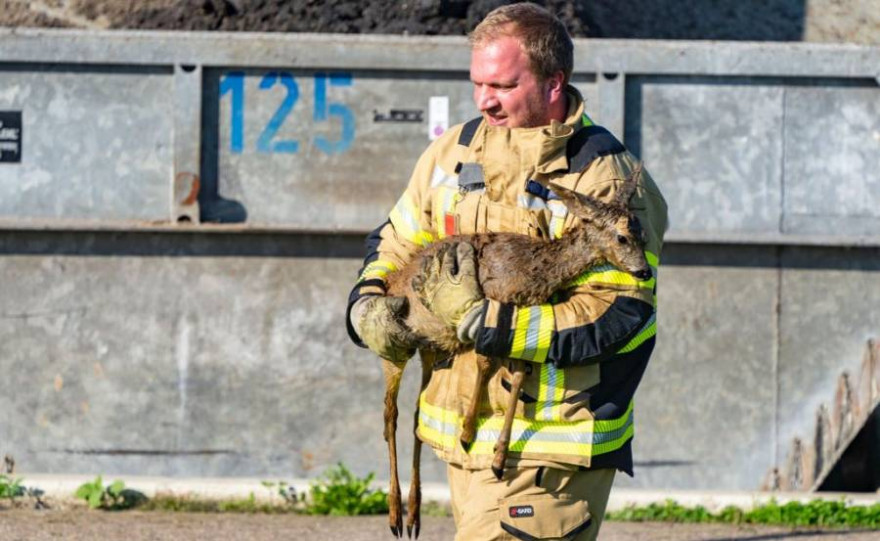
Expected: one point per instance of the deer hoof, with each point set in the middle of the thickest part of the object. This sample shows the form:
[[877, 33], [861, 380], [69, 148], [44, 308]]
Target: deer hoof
[[499, 472], [397, 525], [467, 436], [413, 523]]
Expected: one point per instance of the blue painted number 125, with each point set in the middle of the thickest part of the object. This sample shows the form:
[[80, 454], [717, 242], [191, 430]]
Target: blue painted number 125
[[233, 84]]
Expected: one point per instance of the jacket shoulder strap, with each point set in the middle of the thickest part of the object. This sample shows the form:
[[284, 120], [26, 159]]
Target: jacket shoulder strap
[[589, 143], [468, 131]]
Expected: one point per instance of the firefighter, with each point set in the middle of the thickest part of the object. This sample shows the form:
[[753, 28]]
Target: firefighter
[[588, 345]]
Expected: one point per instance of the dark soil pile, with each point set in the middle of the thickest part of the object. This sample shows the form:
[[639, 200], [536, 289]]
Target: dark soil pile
[[429, 17], [760, 20], [16, 14]]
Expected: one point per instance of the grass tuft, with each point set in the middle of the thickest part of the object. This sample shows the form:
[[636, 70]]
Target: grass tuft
[[817, 513]]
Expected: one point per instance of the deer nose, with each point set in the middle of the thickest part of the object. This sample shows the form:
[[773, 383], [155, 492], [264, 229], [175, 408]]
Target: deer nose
[[645, 274]]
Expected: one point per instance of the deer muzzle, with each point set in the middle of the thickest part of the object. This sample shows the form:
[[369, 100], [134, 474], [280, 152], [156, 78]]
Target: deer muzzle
[[644, 274]]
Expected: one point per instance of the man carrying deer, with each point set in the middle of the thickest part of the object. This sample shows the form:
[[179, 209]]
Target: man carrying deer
[[586, 346]]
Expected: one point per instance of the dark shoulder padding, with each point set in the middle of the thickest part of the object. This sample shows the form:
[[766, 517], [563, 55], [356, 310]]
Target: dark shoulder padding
[[588, 144], [468, 131]]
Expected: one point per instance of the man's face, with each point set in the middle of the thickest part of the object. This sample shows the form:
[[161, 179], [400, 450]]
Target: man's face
[[506, 91]]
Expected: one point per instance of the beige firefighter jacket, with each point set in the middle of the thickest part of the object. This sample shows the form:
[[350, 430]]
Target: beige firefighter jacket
[[589, 345]]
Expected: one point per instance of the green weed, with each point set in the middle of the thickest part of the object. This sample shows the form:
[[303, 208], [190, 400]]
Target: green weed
[[819, 513], [113, 497], [339, 492], [10, 488]]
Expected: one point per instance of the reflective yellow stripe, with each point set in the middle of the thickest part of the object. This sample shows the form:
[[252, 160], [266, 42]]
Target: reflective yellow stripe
[[445, 199], [558, 396], [377, 269], [405, 219], [585, 120], [546, 379], [551, 391], [558, 212], [576, 438], [609, 274], [649, 329], [431, 434], [532, 333], [613, 433]]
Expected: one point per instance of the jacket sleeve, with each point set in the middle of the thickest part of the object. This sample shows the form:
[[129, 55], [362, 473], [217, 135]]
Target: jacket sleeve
[[602, 312], [394, 243]]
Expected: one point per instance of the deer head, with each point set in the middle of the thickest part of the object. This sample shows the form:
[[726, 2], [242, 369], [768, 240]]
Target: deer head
[[611, 228]]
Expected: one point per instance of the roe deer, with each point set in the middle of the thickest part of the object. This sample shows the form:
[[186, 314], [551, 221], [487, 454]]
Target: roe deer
[[516, 269]]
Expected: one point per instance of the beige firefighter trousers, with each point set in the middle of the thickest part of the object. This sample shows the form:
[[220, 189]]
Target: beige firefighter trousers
[[529, 503]]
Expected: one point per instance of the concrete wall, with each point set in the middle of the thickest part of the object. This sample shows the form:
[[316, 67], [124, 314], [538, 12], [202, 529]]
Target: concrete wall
[[188, 355], [133, 344], [750, 340]]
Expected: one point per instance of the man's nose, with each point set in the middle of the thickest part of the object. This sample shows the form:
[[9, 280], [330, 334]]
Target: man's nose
[[486, 99]]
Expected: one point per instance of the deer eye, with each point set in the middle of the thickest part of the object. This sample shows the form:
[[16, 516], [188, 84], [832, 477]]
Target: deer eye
[[621, 239]]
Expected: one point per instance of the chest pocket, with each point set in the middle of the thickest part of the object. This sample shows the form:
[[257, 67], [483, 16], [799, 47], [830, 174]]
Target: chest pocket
[[473, 212], [499, 217]]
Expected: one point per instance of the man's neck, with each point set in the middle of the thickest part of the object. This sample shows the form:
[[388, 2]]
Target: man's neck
[[559, 110]]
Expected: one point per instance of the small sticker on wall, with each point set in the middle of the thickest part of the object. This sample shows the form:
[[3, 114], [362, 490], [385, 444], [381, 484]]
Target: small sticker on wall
[[10, 136], [438, 116]]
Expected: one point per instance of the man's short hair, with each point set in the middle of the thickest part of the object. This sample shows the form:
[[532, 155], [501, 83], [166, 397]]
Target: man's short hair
[[542, 36]]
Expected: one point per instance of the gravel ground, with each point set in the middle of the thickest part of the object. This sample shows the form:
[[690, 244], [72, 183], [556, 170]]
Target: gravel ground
[[81, 525]]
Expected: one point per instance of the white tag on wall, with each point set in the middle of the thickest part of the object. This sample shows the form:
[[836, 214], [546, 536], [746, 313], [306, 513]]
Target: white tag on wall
[[438, 116]]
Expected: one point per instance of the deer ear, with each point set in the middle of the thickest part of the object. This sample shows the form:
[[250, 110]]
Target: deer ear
[[583, 206], [628, 188]]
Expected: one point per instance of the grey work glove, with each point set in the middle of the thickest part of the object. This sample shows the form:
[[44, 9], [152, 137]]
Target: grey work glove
[[448, 287], [378, 322]]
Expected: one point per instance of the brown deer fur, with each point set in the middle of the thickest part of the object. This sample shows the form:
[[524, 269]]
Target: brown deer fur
[[515, 269]]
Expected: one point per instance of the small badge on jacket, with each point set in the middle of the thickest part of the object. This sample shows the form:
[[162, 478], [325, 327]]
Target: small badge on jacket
[[519, 511]]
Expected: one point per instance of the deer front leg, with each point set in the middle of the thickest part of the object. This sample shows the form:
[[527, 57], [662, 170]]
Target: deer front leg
[[414, 503], [469, 424], [393, 372], [503, 443]]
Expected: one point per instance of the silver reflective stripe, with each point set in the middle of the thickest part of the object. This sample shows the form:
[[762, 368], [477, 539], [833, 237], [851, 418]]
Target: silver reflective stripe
[[552, 372], [531, 202], [534, 435], [605, 437], [440, 178], [532, 334], [441, 427], [559, 212]]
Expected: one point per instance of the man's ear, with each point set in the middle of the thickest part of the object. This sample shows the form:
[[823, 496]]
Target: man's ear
[[556, 86]]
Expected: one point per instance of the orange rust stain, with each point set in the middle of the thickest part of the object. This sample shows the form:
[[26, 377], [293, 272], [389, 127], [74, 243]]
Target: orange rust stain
[[194, 182]]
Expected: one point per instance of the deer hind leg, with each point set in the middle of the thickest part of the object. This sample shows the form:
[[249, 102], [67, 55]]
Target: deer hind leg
[[503, 443], [469, 424], [414, 503], [393, 373]]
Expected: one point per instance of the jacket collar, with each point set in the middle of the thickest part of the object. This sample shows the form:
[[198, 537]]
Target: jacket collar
[[542, 149]]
